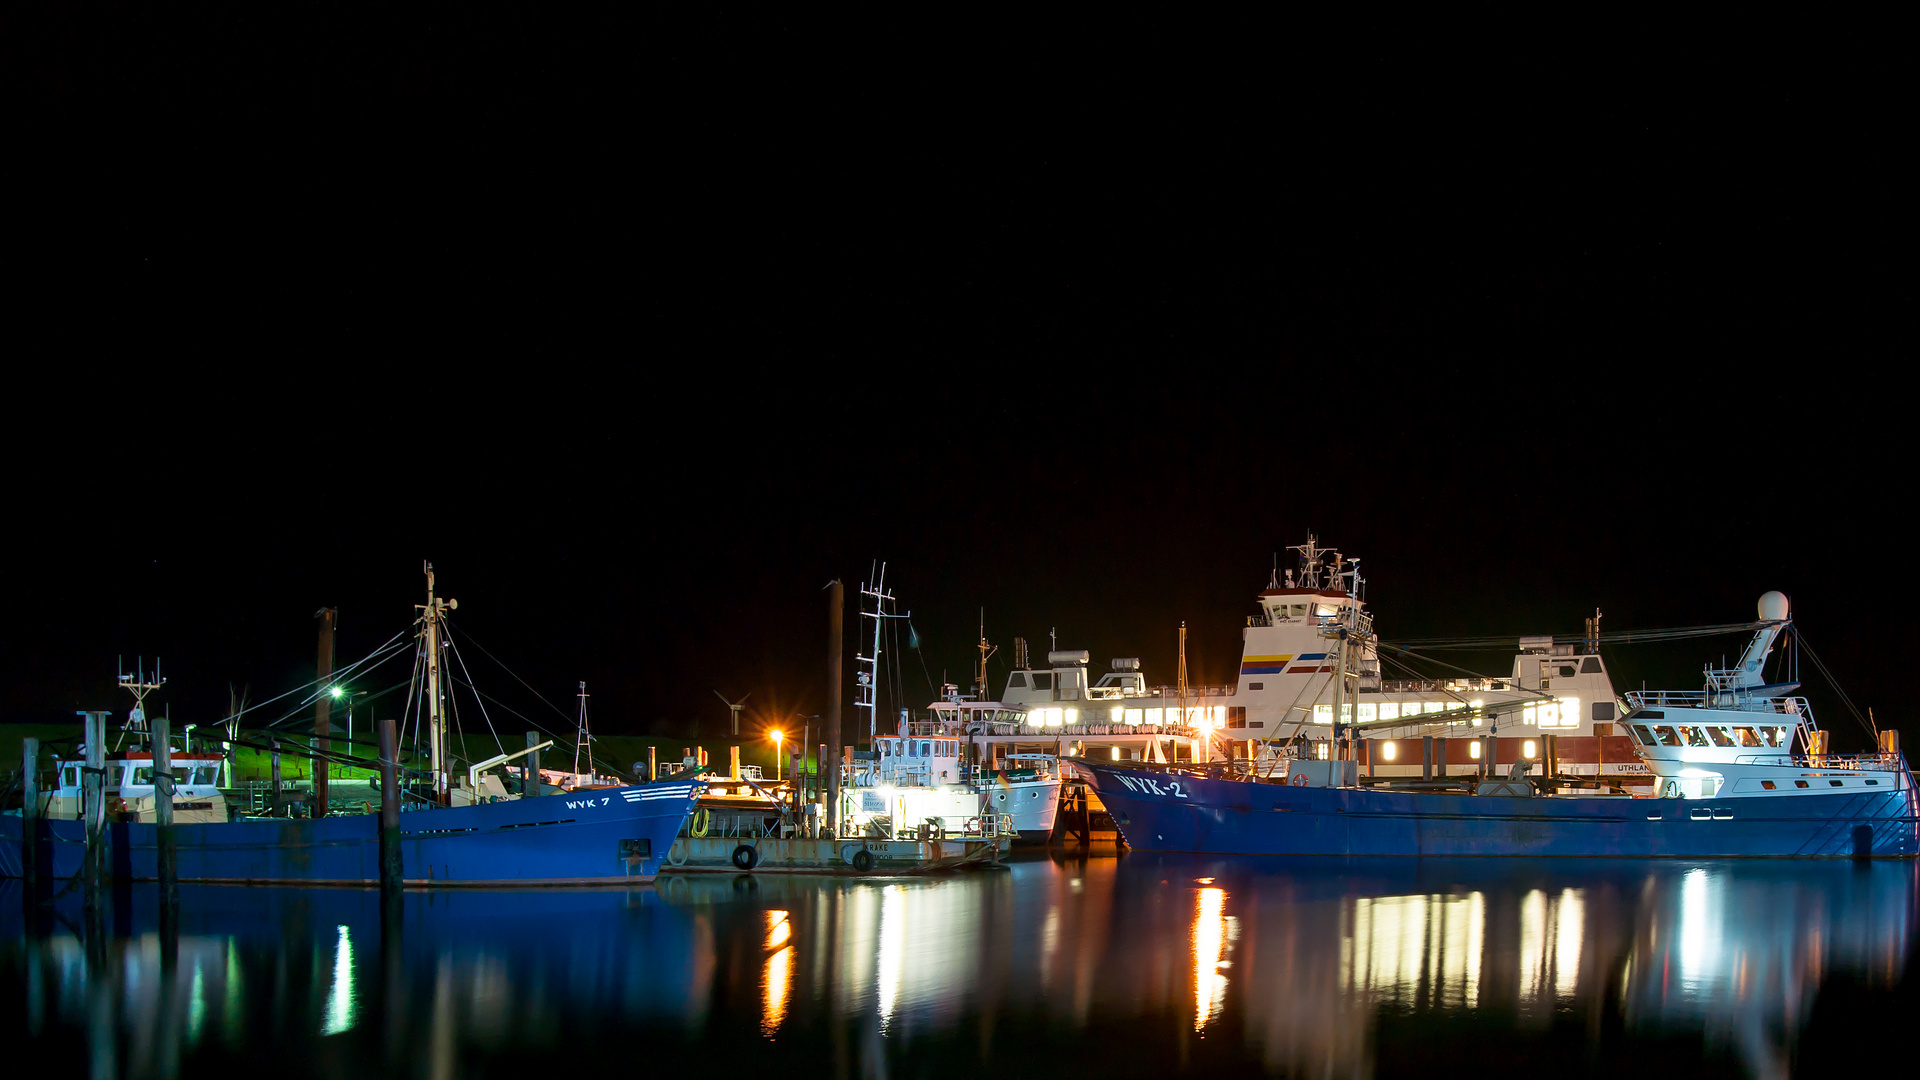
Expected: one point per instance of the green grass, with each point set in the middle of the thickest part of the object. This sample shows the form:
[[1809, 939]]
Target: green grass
[[624, 751]]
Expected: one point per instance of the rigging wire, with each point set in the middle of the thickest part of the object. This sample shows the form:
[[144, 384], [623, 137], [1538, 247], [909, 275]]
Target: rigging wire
[[300, 710], [483, 649], [1835, 683], [306, 685], [455, 650], [914, 640], [1618, 637]]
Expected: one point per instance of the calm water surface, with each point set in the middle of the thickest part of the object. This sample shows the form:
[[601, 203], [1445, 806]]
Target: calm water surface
[[1137, 966]]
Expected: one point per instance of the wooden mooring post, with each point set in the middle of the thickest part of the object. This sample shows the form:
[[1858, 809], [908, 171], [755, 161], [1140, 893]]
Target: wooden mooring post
[[653, 762], [163, 806], [532, 786], [275, 804], [93, 805], [30, 814], [391, 880]]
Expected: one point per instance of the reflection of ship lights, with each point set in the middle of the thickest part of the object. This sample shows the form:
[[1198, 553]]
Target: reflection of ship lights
[[893, 932], [1696, 919], [1209, 940], [779, 973], [340, 993]]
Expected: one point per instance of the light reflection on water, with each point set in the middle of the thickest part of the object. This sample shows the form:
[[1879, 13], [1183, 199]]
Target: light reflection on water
[[1282, 965]]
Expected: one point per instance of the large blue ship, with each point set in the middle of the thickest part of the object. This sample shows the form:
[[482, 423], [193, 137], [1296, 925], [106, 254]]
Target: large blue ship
[[604, 836], [1740, 769], [476, 833]]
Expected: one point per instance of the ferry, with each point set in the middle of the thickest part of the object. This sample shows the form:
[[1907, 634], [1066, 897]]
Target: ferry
[[605, 835], [1740, 769]]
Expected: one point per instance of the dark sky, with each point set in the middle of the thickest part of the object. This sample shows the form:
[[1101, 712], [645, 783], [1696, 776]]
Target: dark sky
[[644, 333]]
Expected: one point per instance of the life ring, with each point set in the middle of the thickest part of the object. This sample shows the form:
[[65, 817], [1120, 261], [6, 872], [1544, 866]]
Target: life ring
[[698, 825], [1299, 781], [863, 860], [746, 857]]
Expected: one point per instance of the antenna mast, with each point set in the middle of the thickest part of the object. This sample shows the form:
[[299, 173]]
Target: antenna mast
[[868, 680], [138, 685], [583, 737]]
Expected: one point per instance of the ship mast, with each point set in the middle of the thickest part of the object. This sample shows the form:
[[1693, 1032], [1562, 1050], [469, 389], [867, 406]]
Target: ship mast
[[980, 692], [433, 611], [869, 679]]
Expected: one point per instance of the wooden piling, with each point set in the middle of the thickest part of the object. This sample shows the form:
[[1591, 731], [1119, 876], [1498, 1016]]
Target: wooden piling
[[1426, 757], [532, 786], [163, 803], [1440, 758], [93, 800], [653, 764], [733, 763], [323, 712], [30, 813], [390, 796], [836, 605], [275, 812]]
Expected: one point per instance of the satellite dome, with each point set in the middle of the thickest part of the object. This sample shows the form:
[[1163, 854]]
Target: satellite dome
[[1773, 607]]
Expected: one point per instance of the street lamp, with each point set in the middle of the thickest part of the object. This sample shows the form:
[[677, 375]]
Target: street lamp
[[777, 736], [340, 692]]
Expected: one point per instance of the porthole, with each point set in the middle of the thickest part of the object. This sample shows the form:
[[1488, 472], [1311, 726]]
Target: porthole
[[1833, 783]]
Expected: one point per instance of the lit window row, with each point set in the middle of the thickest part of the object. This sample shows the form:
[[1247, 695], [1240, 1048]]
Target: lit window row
[[1052, 717]]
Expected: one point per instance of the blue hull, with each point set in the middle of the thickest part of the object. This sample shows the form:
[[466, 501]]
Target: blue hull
[[1172, 812], [613, 836]]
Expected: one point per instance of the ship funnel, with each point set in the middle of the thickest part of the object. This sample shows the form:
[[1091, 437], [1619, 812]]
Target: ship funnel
[[1066, 657], [1773, 607]]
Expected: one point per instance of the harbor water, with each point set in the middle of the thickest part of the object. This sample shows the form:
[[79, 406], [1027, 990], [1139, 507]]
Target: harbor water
[[1132, 966]]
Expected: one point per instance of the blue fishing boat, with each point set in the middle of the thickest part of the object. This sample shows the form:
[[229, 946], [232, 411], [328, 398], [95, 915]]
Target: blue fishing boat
[[474, 833], [1740, 769]]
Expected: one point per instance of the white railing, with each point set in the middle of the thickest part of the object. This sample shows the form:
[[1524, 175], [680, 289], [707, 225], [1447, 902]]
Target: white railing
[[1846, 762], [1727, 700]]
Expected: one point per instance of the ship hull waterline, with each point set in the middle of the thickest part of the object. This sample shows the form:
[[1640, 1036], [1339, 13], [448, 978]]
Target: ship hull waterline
[[605, 837], [1182, 813]]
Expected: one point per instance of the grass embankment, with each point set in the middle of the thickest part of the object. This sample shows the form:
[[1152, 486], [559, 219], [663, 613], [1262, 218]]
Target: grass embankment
[[627, 752]]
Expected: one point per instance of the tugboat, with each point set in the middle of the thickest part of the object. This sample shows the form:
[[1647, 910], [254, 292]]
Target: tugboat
[[608, 836], [1740, 769]]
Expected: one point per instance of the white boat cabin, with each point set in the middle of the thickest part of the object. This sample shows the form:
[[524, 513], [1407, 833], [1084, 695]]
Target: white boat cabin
[[131, 794]]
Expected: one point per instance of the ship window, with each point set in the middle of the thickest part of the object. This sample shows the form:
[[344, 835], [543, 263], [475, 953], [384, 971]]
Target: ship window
[[1873, 783], [1719, 736], [1043, 680], [1833, 783], [1667, 736], [1323, 714], [1645, 735], [1603, 712], [926, 748], [1156, 716], [1366, 713], [1436, 706], [1768, 784], [143, 776], [1567, 672], [1773, 735], [1590, 666], [73, 777], [1256, 686], [1746, 736], [1694, 736], [1389, 710], [1019, 678], [1299, 611], [1799, 783], [1134, 716]]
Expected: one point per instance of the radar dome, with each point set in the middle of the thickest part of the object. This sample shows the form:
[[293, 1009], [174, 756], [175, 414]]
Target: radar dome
[[1773, 607]]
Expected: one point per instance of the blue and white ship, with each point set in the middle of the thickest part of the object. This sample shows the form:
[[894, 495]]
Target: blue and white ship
[[464, 836], [1740, 769]]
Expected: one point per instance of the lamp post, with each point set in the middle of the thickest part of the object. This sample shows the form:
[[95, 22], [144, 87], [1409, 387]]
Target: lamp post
[[777, 736], [339, 693]]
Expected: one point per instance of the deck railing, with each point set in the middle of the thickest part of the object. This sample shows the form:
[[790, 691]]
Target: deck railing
[[1847, 762]]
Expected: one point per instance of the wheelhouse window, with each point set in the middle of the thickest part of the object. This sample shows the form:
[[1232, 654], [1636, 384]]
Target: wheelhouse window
[[1695, 737], [1019, 679], [1667, 736], [1746, 736], [1644, 734], [1719, 736], [1590, 666], [1043, 680], [142, 776]]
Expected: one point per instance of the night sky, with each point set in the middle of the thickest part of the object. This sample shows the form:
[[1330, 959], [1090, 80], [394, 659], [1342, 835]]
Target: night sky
[[643, 334]]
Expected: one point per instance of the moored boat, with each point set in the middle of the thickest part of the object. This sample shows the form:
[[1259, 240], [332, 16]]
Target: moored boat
[[1740, 769]]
